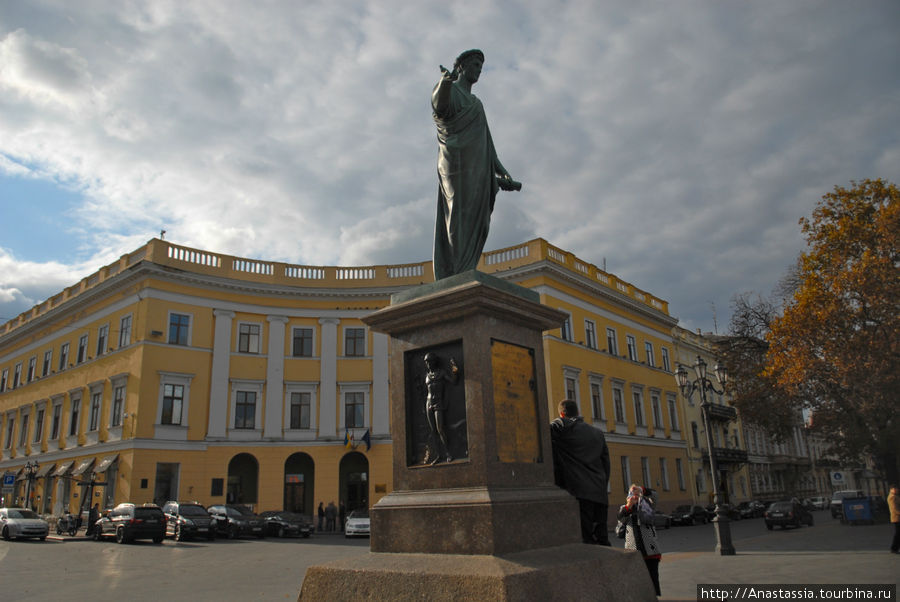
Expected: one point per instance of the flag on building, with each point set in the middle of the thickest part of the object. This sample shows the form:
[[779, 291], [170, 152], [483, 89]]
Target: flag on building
[[367, 440], [348, 438]]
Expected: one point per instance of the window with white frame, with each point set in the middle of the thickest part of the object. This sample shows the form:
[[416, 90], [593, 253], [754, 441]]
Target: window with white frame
[[117, 407], [565, 331], [300, 410], [125, 331], [94, 416], [173, 402], [17, 375], [657, 410], [632, 347], [590, 334], [354, 342], [301, 404], [23, 433], [648, 349], [39, 424], [665, 359], [664, 473], [82, 349], [645, 471], [245, 418], [48, 361], [74, 414], [245, 410], [597, 398], [695, 435], [570, 378], [56, 420], [679, 472], [102, 339], [4, 377], [179, 329], [673, 412], [619, 403], [32, 364], [63, 356], [303, 342], [612, 346], [626, 473], [248, 338], [638, 398], [354, 405], [10, 428]]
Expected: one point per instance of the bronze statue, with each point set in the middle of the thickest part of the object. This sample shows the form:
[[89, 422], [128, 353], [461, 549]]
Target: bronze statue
[[469, 171], [436, 406]]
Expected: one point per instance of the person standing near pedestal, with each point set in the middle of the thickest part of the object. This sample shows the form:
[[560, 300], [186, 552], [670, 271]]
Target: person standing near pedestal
[[894, 506], [640, 534], [581, 467]]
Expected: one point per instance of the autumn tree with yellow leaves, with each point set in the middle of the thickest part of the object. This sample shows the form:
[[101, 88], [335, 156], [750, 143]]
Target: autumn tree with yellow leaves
[[835, 349]]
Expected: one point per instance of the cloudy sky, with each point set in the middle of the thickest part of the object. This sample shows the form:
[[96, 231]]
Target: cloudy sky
[[679, 141]]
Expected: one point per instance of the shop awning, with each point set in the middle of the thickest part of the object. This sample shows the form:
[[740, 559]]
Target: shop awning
[[63, 468], [45, 470], [82, 467], [106, 463]]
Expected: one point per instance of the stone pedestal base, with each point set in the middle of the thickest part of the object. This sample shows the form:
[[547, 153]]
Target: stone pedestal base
[[570, 572]]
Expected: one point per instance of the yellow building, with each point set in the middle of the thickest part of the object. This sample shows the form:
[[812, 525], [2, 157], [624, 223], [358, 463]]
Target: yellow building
[[176, 373]]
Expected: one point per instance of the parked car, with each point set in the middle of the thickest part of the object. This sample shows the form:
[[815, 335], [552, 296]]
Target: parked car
[[235, 520], [730, 511], [128, 522], [837, 501], [661, 520], [21, 523], [819, 503], [286, 524], [688, 515], [787, 513], [751, 509], [357, 523], [187, 520]]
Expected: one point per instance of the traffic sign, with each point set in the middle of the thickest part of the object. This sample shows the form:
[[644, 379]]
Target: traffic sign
[[9, 479]]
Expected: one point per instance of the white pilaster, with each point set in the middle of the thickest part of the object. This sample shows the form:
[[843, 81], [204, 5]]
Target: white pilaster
[[381, 415], [218, 385], [274, 403], [328, 377]]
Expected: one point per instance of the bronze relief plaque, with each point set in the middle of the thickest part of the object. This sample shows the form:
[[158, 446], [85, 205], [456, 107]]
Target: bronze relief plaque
[[516, 412]]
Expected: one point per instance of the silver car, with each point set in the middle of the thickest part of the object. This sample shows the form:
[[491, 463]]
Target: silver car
[[20, 523]]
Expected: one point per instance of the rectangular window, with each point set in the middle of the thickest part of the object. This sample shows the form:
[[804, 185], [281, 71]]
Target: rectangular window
[[125, 331], [597, 401], [63, 356], [665, 359], [590, 334], [354, 409], [619, 405], [57, 419], [673, 413], [94, 420], [355, 342], [32, 363], [48, 361], [679, 470], [648, 348], [10, 429], [657, 411], [173, 401], [638, 409], [632, 347], [23, 434], [303, 342], [39, 425], [611, 345], [300, 406], [571, 392], [82, 349], [17, 375], [248, 338], [664, 473], [102, 338], [565, 330], [626, 474], [117, 406], [695, 436], [3, 378], [179, 328], [245, 410], [645, 472]]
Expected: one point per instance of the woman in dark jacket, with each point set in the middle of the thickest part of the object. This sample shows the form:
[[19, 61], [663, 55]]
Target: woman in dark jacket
[[640, 534]]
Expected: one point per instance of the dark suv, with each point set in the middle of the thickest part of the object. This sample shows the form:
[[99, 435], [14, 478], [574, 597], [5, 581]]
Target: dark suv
[[234, 520], [127, 522], [188, 519]]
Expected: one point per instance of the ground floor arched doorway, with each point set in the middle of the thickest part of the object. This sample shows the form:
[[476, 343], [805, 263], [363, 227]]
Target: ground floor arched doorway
[[354, 481], [243, 480], [299, 476]]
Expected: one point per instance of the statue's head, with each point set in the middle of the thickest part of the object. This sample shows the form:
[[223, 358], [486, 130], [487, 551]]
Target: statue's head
[[466, 59], [431, 359]]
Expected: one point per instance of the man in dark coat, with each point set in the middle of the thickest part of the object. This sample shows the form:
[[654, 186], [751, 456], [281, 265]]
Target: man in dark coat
[[581, 467]]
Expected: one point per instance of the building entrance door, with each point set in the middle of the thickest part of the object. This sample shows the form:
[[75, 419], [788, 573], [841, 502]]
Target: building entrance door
[[354, 481], [299, 477]]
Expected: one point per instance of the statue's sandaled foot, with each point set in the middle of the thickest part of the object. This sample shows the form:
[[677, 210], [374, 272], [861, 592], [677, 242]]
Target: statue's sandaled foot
[[449, 458]]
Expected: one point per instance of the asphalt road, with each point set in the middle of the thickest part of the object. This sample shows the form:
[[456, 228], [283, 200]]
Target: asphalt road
[[273, 569]]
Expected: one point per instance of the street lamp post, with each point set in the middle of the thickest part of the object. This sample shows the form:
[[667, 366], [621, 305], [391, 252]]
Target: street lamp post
[[31, 469], [703, 384]]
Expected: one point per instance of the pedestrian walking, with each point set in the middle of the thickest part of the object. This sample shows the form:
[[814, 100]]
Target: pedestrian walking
[[640, 534], [93, 517], [321, 516], [581, 467], [894, 505]]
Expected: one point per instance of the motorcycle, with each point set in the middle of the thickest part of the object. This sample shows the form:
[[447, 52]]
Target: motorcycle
[[67, 524]]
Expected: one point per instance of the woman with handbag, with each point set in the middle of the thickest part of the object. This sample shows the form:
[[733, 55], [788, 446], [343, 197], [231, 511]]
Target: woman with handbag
[[640, 534]]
